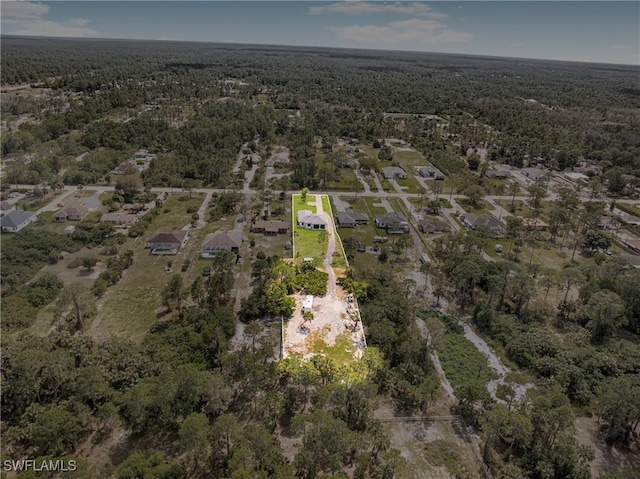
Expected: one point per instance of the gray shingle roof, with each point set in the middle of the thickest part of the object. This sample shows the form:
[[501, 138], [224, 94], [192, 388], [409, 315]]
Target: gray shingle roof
[[15, 218]]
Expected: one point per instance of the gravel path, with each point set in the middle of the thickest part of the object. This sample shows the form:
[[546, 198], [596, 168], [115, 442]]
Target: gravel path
[[331, 247]]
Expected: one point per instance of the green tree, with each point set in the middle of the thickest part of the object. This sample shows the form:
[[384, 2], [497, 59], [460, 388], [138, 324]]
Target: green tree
[[76, 299], [89, 262], [173, 292], [323, 237], [537, 193], [56, 432], [474, 194], [595, 240], [193, 436], [604, 312], [385, 153]]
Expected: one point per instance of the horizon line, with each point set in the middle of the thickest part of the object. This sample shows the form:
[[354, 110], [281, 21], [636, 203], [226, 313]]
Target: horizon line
[[415, 52]]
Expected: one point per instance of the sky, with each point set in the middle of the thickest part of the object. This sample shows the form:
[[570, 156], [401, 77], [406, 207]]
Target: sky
[[587, 31]]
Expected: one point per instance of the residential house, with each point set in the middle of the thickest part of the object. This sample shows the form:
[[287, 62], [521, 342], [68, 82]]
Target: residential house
[[430, 172], [73, 212], [632, 259], [15, 220], [123, 167], [167, 242], [608, 223], [219, 241], [535, 224], [626, 217], [311, 221], [498, 174], [6, 207], [473, 221], [394, 223], [576, 177], [120, 220], [535, 174], [350, 219], [393, 173], [431, 226], [632, 243], [270, 228], [345, 220]]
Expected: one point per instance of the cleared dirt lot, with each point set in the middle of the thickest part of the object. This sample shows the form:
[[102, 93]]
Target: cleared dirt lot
[[332, 325]]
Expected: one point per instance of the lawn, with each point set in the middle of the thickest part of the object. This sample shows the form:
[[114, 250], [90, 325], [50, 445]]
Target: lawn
[[32, 204], [373, 207], [409, 184], [346, 182], [305, 242], [408, 159]]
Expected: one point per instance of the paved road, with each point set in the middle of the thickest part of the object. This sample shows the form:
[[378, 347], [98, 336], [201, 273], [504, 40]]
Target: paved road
[[331, 247], [382, 195]]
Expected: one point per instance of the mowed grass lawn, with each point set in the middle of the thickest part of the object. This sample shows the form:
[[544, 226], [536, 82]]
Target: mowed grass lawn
[[305, 242], [130, 307], [409, 184]]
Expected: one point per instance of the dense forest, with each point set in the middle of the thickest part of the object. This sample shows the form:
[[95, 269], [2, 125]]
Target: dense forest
[[198, 101]]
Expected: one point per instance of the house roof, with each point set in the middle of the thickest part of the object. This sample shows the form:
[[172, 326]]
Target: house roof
[[634, 243], [306, 216], [390, 218], [433, 226], [576, 176], [498, 173], [631, 219], [483, 220], [74, 209], [176, 236], [537, 223], [345, 217], [632, 259], [393, 170], [267, 225], [429, 170], [533, 173], [359, 216], [15, 218], [222, 239]]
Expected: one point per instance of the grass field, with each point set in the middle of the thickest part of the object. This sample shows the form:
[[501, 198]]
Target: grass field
[[305, 242], [373, 206], [409, 184], [463, 364]]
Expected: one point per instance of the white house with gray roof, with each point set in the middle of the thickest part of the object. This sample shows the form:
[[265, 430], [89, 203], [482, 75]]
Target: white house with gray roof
[[311, 221], [16, 220], [393, 172]]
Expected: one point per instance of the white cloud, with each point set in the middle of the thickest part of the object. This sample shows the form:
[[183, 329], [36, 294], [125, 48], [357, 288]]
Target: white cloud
[[27, 18], [78, 22], [361, 7], [23, 9], [517, 44], [414, 30], [620, 47], [46, 28]]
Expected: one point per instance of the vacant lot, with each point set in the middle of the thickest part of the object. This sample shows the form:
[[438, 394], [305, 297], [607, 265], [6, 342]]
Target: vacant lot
[[130, 307]]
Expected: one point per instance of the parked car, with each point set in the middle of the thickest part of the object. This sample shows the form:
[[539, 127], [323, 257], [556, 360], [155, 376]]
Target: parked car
[[206, 272]]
